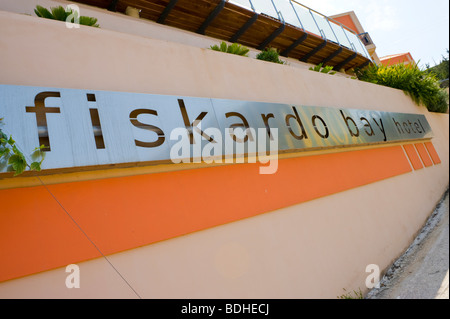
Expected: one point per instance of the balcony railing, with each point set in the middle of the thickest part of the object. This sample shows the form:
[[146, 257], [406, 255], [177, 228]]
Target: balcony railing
[[309, 20]]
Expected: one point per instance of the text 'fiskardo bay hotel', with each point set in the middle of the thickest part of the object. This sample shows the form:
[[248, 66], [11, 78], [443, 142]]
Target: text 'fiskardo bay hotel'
[[142, 158]]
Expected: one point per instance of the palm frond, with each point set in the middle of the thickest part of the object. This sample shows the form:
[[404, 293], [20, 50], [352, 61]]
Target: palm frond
[[59, 13], [234, 48], [43, 12], [89, 21]]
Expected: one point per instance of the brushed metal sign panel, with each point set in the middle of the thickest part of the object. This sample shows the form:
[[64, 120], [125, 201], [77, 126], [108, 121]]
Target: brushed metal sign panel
[[91, 127]]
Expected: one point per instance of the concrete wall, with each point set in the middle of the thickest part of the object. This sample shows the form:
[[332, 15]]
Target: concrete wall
[[120, 22], [310, 250]]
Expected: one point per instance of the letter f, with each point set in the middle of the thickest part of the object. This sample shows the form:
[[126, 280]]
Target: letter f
[[40, 109]]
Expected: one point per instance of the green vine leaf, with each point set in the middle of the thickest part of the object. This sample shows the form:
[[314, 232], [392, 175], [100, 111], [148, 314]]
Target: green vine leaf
[[11, 141], [35, 166], [10, 154], [4, 152], [18, 163]]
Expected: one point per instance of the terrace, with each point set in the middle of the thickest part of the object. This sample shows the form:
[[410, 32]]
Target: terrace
[[297, 31]]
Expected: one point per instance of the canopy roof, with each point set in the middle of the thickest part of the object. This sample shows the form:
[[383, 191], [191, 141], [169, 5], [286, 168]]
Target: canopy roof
[[227, 21]]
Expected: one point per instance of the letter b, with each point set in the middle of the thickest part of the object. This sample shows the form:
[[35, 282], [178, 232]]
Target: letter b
[[229, 308], [347, 119]]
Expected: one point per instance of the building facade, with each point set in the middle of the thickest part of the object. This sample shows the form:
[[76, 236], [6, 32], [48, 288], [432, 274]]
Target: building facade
[[402, 58]]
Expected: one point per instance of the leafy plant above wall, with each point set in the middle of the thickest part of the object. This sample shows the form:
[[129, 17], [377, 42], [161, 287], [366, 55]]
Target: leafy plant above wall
[[234, 48], [11, 156], [327, 69], [270, 55], [421, 86], [61, 14]]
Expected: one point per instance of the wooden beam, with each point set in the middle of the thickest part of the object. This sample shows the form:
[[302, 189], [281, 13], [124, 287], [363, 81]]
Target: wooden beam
[[345, 62], [166, 11], [294, 45], [113, 5], [332, 55], [271, 37], [211, 17], [244, 28], [314, 51]]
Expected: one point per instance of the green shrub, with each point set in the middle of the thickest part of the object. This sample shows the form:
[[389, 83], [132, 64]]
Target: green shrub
[[234, 48], [439, 102], [421, 86], [270, 55], [60, 14], [327, 69]]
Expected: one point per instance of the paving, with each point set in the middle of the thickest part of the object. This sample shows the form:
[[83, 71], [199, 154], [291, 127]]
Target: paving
[[422, 272]]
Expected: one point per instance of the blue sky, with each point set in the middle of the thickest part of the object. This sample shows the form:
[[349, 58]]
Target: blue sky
[[398, 26]]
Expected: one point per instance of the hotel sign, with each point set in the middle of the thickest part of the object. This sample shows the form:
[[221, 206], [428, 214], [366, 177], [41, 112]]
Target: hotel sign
[[89, 127]]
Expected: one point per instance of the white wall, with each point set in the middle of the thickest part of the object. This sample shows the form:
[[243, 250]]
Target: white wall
[[119, 22]]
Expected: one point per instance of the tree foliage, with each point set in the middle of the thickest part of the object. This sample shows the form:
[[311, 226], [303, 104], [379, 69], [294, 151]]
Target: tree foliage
[[421, 86], [441, 71]]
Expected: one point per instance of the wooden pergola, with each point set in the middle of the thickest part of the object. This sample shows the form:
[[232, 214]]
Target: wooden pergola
[[226, 21]]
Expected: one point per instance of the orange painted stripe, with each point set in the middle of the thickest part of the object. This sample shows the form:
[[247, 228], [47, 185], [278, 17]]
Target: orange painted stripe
[[126, 212], [423, 154], [432, 151], [36, 234], [413, 156]]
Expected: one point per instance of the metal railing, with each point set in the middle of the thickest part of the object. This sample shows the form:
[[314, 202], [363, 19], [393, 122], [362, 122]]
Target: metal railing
[[309, 20]]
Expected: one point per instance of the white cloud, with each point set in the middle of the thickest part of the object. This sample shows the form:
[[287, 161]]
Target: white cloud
[[379, 15], [373, 14]]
